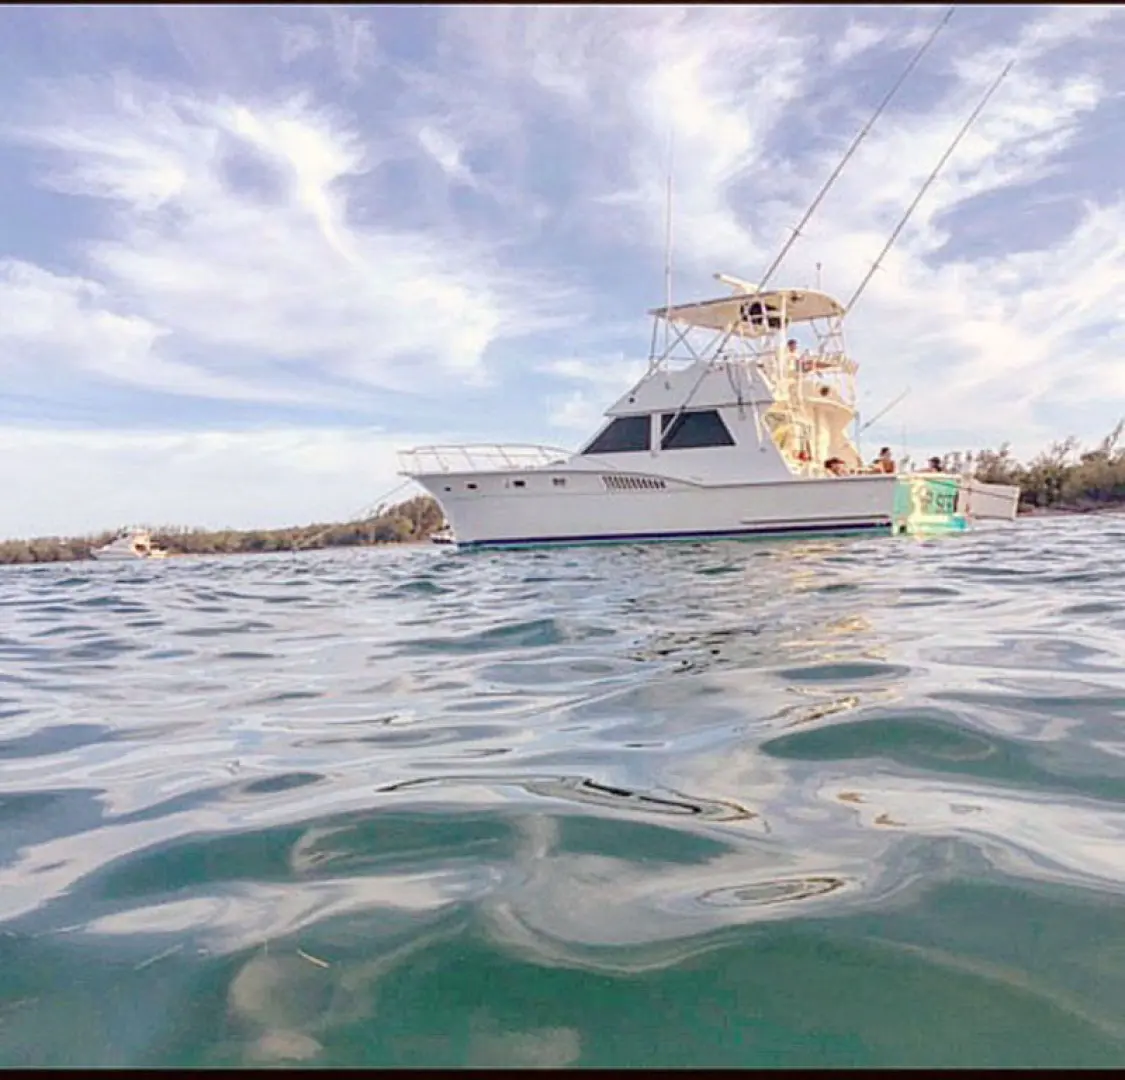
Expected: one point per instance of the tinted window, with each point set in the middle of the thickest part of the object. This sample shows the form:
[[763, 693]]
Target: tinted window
[[622, 436], [694, 429]]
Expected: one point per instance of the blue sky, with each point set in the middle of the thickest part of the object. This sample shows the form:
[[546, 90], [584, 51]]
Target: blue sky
[[246, 253]]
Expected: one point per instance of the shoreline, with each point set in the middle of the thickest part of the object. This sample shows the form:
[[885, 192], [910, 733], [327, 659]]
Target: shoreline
[[1071, 511], [407, 525], [411, 522], [64, 557]]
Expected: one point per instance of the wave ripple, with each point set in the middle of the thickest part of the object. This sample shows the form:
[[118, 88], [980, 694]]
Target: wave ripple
[[837, 803]]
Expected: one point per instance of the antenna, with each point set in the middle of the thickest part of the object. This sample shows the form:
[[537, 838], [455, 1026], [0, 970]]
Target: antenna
[[668, 240], [852, 149], [926, 186]]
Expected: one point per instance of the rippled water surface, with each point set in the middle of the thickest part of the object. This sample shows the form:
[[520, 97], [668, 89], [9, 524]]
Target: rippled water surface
[[730, 804]]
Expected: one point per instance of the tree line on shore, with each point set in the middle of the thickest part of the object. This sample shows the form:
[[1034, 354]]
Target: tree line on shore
[[410, 521], [1062, 477]]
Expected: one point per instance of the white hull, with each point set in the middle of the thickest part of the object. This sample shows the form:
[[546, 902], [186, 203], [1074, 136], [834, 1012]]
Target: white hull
[[106, 555], [494, 514], [991, 502], [591, 507], [128, 549]]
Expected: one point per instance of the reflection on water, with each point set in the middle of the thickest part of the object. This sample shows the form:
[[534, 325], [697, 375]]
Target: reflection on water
[[841, 803]]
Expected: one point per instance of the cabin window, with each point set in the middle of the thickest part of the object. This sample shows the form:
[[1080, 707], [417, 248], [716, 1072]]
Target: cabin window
[[519, 483], [691, 430], [624, 435]]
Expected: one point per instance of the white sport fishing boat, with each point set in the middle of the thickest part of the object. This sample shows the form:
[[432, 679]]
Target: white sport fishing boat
[[738, 429], [743, 437], [128, 545]]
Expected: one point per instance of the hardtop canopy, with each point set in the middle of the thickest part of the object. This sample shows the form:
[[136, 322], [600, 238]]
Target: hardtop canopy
[[758, 313]]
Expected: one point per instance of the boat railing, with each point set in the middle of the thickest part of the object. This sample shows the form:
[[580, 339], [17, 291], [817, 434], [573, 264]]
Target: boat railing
[[828, 362], [479, 457]]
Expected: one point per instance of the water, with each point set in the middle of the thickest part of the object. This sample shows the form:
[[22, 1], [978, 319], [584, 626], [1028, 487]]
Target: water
[[847, 803]]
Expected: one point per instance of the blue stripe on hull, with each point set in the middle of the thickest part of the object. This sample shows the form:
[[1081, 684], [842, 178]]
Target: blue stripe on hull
[[829, 529]]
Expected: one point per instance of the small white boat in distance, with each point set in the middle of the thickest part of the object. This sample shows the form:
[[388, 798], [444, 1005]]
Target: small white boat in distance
[[734, 431], [444, 535], [130, 544]]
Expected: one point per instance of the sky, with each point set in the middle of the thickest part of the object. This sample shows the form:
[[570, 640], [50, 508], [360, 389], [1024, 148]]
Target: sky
[[247, 253]]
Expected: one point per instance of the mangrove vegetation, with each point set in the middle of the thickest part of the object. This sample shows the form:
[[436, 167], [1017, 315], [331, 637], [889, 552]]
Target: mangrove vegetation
[[407, 522]]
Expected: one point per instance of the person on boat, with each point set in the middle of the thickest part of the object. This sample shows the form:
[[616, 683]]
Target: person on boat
[[799, 359], [934, 465], [884, 463], [836, 466]]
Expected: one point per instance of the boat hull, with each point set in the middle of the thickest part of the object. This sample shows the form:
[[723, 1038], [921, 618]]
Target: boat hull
[[128, 549], [569, 507], [991, 502], [115, 556]]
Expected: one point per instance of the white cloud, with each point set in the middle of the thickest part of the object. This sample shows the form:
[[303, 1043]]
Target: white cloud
[[353, 42], [59, 482], [348, 38], [598, 381], [297, 40], [44, 316], [446, 152], [578, 413], [265, 267], [856, 40], [956, 327], [264, 239], [612, 374]]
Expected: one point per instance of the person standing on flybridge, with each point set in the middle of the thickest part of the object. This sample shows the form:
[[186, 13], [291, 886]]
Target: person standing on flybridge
[[803, 360]]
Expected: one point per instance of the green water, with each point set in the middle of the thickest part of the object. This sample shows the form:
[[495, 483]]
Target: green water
[[845, 803]]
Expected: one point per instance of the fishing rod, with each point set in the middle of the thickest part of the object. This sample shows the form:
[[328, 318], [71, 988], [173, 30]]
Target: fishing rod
[[852, 149], [816, 202], [860, 429], [926, 186], [883, 412], [863, 132]]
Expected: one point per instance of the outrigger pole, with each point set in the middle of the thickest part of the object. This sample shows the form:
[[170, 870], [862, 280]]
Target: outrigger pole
[[808, 213], [852, 149], [926, 186], [863, 132]]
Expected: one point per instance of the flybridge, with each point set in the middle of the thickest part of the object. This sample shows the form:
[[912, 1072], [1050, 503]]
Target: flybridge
[[750, 314], [755, 328]]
